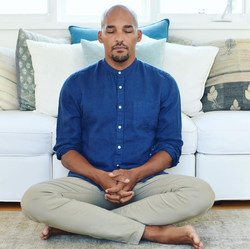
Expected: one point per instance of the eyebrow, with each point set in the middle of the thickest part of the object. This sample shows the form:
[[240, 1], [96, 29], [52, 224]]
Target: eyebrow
[[112, 26]]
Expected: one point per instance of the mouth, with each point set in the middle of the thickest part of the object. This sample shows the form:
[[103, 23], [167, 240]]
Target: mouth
[[119, 48]]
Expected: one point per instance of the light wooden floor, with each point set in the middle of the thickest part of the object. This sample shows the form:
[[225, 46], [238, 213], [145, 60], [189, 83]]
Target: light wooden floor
[[15, 206]]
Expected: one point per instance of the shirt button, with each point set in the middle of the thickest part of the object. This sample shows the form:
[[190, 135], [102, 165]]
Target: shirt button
[[120, 107], [120, 87], [119, 127], [119, 147], [117, 165], [119, 72]]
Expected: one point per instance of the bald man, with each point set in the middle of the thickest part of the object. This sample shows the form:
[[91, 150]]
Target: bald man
[[118, 129]]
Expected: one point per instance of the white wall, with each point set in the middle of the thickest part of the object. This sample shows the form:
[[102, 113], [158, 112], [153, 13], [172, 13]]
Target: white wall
[[8, 38]]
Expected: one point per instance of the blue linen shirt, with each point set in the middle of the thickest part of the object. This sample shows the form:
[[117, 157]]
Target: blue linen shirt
[[119, 119]]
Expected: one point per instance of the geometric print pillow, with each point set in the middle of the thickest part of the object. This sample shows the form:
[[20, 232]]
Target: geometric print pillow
[[25, 71], [228, 84]]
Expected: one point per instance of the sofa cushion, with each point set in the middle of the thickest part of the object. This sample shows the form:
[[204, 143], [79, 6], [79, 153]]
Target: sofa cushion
[[189, 135], [151, 52], [223, 132], [25, 71], [228, 84], [8, 80], [158, 30], [26, 133]]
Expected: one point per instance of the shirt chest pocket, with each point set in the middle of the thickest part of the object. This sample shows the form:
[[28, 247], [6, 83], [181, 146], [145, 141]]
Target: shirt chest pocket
[[145, 115]]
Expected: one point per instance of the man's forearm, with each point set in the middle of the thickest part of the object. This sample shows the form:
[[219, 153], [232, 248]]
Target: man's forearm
[[75, 162], [157, 163]]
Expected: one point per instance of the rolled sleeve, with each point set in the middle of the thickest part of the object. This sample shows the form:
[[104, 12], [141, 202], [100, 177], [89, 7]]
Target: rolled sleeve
[[69, 135], [168, 137]]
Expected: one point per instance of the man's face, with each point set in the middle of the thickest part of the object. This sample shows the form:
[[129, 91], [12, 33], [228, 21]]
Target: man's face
[[119, 36]]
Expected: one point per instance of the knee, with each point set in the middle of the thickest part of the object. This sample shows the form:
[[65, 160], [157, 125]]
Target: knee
[[205, 195], [29, 201]]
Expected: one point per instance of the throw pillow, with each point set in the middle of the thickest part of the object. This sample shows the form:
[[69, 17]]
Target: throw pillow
[[151, 52], [228, 84], [190, 66], [8, 81], [25, 73], [52, 63], [179, 40], [158, 30]]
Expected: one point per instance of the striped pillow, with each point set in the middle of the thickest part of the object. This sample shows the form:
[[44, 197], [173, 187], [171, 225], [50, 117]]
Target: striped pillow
[[8, 80]]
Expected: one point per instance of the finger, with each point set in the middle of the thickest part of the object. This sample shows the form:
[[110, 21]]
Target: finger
[[113, 190], [114, 175], [126, 193], [126, 199], [113, 198], [119, 178]]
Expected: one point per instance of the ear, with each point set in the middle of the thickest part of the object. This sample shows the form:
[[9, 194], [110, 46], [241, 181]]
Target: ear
[[99, 36], [139, 34]]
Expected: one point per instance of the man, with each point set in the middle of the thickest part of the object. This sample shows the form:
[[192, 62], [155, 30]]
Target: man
[[119, 128]]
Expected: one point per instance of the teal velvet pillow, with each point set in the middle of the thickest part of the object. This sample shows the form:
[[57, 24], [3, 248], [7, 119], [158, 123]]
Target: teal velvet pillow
[[150, 52], [158, 30]]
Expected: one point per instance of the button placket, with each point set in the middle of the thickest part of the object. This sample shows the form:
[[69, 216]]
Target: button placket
[[120, 119]]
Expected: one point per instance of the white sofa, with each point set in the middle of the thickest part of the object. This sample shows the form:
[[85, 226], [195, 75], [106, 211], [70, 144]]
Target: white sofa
[[216, 148]]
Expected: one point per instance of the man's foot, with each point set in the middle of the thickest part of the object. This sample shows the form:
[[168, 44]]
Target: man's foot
[[173, 235], [51, 231]]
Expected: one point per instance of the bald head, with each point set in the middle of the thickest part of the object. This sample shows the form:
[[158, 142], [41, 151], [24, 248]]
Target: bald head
[[119, 8]]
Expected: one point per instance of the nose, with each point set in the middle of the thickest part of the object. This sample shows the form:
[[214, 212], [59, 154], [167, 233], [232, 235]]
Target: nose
[[119, 37]]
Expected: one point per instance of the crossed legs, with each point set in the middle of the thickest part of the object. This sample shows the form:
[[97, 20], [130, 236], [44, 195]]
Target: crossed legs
[[76, 206]]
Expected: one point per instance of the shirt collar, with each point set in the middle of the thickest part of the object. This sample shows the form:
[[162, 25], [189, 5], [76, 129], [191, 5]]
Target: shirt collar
[[113, 70]]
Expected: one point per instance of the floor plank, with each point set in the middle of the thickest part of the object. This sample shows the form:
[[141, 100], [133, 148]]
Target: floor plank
[[15, 206]]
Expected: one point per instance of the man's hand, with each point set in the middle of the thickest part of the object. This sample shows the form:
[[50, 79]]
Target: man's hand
[[126, 181]]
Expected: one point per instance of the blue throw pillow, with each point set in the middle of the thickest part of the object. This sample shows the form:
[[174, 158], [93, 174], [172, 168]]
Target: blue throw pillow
[[158, 30]]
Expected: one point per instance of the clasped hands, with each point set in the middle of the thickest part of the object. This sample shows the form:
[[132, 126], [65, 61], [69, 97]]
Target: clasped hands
[[122, 184]]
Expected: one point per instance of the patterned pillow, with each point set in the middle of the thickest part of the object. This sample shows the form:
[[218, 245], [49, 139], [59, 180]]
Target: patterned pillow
[[25, 72], [179, 40], [8, 85], [228, 84]]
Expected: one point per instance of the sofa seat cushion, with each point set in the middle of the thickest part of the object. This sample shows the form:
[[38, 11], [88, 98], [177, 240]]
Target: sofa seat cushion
[[26, 133], [223, 132], [189, 135]]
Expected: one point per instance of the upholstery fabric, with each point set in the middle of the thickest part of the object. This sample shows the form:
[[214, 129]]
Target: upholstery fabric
[[228, 175], [26, 133], [151, 52], [53, 64], [19, 172], [158, 30], [224, 132], [228, 84], [8, 80], [25, 71]]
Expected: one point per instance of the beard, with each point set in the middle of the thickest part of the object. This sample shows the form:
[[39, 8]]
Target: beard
[[120, 58]]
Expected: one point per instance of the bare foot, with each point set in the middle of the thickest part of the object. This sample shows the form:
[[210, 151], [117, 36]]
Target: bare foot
[[51, 231], [173, 235]]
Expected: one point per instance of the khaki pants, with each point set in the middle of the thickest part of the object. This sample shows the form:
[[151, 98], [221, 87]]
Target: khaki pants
[[77, 206]]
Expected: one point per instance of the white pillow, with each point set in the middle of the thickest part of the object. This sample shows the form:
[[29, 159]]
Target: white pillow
[[190, 67], [8, 80], [53, 64]]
